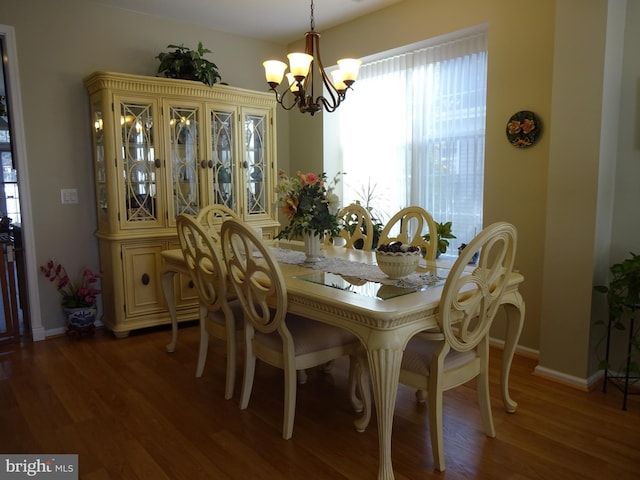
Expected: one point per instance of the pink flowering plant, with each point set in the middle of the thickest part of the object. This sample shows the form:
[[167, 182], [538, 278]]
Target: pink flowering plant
[[73, 295], [309, 203]]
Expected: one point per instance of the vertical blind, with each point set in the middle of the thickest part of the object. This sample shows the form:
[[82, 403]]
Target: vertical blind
[[412, 133]]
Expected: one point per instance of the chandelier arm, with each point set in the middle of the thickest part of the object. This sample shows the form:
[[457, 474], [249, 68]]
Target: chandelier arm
[[303, 94], [281, 98], [326, 81]]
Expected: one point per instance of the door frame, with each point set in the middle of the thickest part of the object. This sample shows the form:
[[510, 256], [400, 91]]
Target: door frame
[[20, 148]]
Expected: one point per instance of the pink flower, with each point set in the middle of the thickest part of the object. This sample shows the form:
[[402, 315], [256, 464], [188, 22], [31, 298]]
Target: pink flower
[[308, 178]]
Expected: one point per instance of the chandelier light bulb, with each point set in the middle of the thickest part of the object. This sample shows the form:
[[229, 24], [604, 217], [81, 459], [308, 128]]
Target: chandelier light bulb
[[350, 67], [274, 71], [299, 64], [307, 74]]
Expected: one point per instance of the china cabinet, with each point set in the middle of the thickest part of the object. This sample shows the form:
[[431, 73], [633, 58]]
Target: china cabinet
[[163, 147]]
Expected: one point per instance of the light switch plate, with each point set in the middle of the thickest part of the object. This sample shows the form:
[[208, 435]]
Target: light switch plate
[[69, 196]]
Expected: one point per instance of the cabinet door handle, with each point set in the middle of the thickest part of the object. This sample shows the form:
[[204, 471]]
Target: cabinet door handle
[[145, 279], [210, 163], [203, 164], [158, 163], [191, 285], [245, 164]]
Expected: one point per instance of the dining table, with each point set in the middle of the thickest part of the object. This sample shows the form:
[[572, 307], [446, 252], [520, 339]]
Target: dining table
[[346, 289]]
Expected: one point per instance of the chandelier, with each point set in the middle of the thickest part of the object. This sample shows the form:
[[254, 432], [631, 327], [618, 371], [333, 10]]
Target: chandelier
[[301, 77]]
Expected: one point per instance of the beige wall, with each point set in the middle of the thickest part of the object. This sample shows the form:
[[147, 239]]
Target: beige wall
[[519, 78], [561, 60], [546, 56], [58, 44]]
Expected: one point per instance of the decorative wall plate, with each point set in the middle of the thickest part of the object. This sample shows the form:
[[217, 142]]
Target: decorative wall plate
[[523, 129]]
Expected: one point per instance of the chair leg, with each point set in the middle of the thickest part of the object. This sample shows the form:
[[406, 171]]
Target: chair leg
[[249, 371], [434, 395], [290, 387], [231, 351], [204, 343], [484, 398]]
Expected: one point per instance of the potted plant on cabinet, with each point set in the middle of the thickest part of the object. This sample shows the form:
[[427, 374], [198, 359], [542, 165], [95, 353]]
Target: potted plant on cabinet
[[188, 64], [78, 300]]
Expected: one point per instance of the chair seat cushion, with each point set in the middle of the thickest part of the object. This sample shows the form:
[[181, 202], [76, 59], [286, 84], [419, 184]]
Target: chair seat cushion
[[419, 352], [308, 336]]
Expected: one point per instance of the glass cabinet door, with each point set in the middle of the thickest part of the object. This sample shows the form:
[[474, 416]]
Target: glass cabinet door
[[256, 167], [184, 145], [99, 164], [223, 151], [140, 165]]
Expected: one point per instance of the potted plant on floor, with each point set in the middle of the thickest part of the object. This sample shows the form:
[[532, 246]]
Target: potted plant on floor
[[78, 300], [188, 64], [623, 298]]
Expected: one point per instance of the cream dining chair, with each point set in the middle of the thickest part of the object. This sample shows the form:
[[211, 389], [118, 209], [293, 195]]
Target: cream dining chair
[[220, 315], [458, 351], [211, 218], [286, 341], [355, 220], [408, 226]]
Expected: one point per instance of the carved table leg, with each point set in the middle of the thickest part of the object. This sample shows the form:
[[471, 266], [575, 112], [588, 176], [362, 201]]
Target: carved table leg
[[514, 308], [384, 368]]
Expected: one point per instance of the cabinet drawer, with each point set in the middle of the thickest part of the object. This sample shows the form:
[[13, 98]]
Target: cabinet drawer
[[142, 286]]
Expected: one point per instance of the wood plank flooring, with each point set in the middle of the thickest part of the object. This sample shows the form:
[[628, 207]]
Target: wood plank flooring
[[130, 410]]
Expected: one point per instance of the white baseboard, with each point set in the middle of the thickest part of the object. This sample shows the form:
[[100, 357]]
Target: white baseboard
[[520, 350], [584, 384]]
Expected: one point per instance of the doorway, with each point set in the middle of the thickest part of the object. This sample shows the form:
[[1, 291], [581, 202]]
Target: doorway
[[14, 316]]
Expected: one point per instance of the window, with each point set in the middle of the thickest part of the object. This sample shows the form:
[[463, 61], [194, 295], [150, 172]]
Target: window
[[412, 132]]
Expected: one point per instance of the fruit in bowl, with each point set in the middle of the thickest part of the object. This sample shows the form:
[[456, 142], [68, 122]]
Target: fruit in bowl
[[398, 260]]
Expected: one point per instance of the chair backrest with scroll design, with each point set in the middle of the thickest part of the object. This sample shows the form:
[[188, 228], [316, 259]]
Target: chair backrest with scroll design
[[440, 360], [204, 263], [261, 289], [217, 309], [356, 227], [470, 300], [409, 225], [212, 216], [257, 279]]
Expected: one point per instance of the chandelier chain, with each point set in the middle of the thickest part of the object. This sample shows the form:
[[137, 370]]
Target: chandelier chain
[[313, 20]]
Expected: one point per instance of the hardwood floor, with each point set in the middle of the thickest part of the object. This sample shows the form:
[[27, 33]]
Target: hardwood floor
[[130, 410]]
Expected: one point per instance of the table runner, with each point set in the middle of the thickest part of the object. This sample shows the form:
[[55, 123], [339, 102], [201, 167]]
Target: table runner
[[349, 268]]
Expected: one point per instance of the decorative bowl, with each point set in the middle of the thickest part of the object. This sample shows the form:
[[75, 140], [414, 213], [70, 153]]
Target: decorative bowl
[[398, 264]]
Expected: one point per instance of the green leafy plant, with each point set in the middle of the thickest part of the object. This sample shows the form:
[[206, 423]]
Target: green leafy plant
[[188, 64], [623, 296], [444, 234]]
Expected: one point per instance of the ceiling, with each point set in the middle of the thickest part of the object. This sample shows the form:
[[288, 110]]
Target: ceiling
[[279, 21]]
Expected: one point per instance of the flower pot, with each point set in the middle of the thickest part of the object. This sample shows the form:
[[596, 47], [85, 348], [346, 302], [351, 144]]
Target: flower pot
[[80, 320], [311, 248]]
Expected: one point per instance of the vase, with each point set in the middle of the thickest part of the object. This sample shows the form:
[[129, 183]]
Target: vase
[[80, 320], [311, 247]]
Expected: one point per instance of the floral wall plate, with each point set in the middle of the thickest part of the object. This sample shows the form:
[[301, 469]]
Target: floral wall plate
[[523, 129]]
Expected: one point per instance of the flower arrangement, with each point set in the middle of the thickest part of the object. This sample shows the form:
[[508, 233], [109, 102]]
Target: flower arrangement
[[309, 203], [73, 296]]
